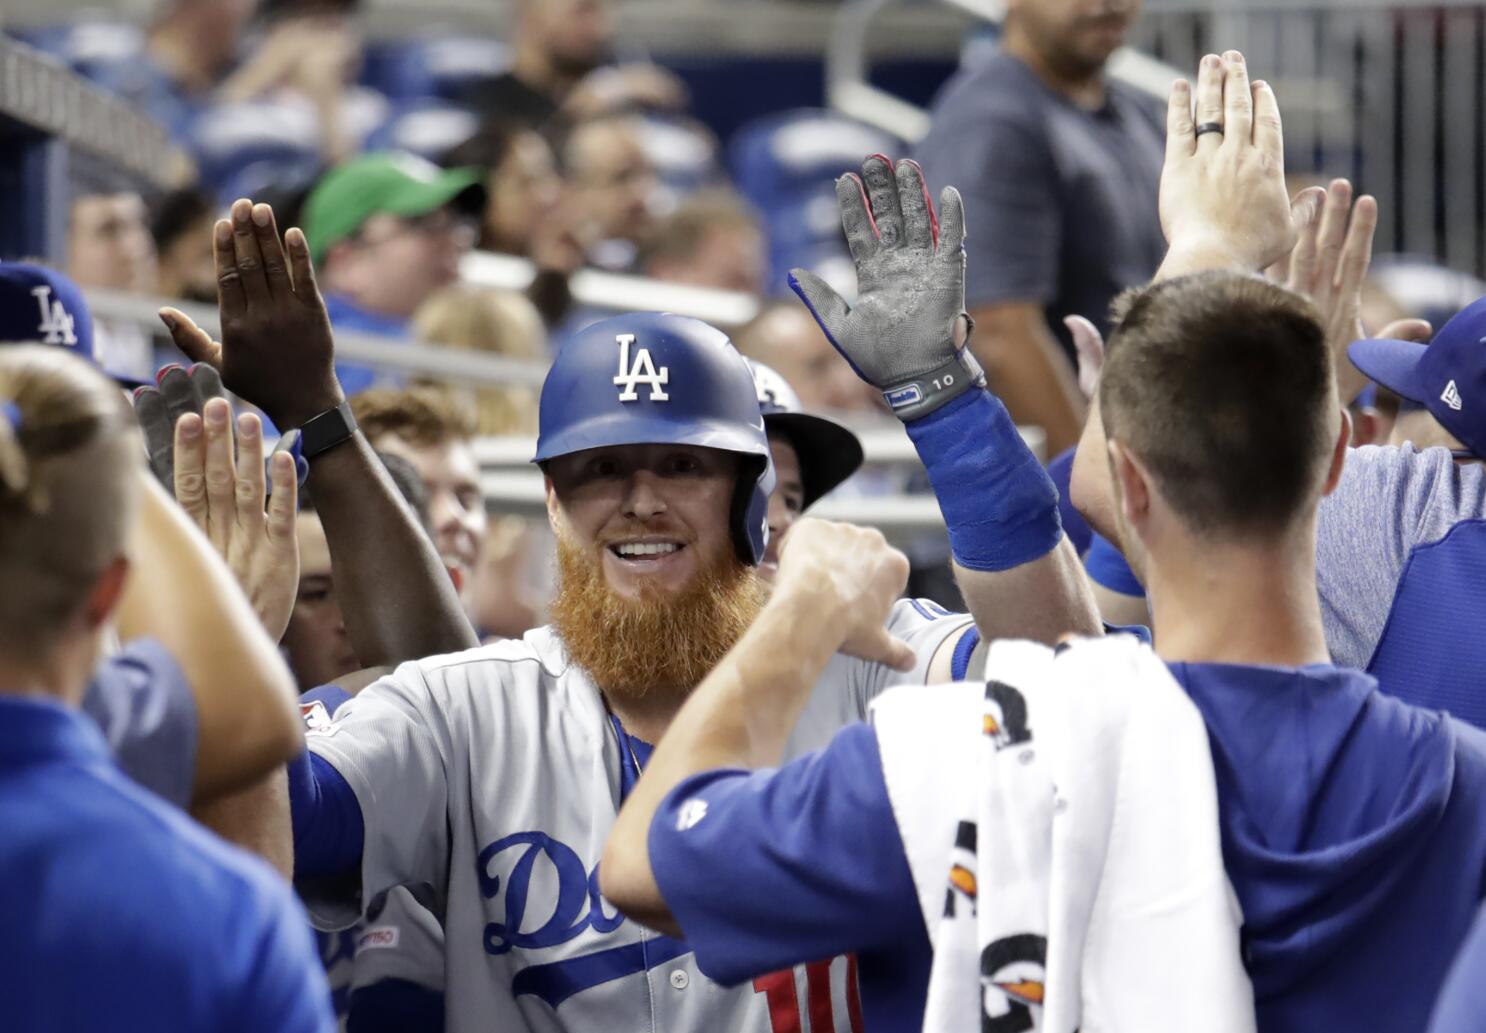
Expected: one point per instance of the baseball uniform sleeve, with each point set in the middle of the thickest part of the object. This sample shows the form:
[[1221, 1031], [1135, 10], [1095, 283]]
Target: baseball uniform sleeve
[[1389, 501], [141, 700], [925, 626], [390, 745], [1462, 1002], [807, 857]]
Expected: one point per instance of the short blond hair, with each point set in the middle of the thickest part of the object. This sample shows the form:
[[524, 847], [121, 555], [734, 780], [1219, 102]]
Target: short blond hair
[[422, 415], [497, 321]]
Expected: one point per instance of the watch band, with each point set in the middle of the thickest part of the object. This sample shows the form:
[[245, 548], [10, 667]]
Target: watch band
[[323, 432]]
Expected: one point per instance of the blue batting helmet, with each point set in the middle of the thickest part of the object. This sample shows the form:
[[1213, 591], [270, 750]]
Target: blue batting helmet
[[653, 378]]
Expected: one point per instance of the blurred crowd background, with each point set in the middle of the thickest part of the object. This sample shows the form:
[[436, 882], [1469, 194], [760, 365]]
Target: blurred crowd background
[[478, 179]]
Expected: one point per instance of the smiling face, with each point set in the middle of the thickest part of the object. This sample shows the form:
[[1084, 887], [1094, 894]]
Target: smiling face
[[650, 591], [652, 516]]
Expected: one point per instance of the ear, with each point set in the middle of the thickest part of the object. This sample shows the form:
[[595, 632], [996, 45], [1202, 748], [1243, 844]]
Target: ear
[[1132, 485], [554, 508], [1339, 453], [104, 597], [1367, 427]]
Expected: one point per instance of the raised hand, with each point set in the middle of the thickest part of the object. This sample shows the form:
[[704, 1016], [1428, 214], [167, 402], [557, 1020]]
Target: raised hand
[[1329, 265], [906, 333], [177, 391], [852, 576], [276, 349], [1223, 198], [225, 498]]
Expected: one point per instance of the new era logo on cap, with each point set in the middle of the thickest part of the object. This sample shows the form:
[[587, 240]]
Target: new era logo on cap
[[1451, 396]]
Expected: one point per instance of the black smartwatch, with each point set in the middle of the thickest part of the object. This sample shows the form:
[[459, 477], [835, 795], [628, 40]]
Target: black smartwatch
[[323, 432]]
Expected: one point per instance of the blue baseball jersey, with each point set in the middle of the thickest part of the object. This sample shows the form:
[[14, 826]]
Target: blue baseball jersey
[[141, 701], [1462, 1004], [1351, 828], [122, 914]]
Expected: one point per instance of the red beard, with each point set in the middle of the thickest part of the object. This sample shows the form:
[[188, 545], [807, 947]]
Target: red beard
[[660, 644]]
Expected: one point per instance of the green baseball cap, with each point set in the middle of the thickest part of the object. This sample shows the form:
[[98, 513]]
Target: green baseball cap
[[391, 182]]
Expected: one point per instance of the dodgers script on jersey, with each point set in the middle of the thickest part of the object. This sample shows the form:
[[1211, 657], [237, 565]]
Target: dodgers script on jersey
[[493, 776]]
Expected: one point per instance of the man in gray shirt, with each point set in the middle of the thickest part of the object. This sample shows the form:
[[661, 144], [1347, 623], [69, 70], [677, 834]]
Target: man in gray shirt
[[1059, 169]]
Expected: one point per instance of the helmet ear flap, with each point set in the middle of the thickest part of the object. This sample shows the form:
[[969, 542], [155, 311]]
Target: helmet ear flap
[[749, 519]]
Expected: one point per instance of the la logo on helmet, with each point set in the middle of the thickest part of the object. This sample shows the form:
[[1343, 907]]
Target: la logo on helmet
[[56, 326], [642, 371]]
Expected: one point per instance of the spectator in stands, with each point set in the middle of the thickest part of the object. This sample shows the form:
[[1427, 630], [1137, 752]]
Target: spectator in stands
[[109, 246], [91, 861], [433, 431], [555, 75], [386, 231], [713, 239], [784, 337], [496, 321], [182, 230], [613, 185], [523, 211], [1059, 167]]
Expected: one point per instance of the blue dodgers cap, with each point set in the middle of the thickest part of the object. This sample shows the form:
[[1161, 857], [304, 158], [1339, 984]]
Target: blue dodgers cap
[[1447, 376], [38, 304]]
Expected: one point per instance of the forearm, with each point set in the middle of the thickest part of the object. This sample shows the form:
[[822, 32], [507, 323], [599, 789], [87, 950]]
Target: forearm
[[181, 594], [1019, 574], [1042, 600], [397, 599], [739, 717], [256, 819], [1028, 371]]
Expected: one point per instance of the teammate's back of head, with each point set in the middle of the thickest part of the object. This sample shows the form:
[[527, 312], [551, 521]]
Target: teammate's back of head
[[1220, 385], [68, 458]]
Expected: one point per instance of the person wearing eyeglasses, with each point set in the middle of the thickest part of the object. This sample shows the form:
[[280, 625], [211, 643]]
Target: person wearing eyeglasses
[[387, 230]]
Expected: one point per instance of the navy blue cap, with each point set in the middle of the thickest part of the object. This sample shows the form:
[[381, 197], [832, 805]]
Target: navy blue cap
[[1447, 376], [41, 305]]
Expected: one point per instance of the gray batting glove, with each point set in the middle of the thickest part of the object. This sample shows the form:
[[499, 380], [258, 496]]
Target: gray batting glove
[[900, 335], [178, 391]]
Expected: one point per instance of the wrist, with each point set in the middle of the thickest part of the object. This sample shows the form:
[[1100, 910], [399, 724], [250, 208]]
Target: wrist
[[916, 397], [1198, 252], [299, 412]]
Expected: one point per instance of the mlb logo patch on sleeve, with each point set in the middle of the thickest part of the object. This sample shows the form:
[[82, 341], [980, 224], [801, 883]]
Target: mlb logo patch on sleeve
[[316, 719]]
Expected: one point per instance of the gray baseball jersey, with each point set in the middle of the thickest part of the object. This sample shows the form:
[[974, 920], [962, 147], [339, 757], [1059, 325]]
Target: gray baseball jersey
[[493, 777]]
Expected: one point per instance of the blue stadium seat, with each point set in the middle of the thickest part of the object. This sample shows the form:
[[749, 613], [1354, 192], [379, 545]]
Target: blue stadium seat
[[427, 128], [683, 151], [431, 67], [253, 144], [786, 165]]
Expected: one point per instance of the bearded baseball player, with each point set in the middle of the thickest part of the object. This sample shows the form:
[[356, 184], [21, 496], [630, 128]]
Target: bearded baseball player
[[489, 779]]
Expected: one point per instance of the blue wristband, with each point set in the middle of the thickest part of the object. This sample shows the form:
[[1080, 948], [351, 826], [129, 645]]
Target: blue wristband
[[999, 504]]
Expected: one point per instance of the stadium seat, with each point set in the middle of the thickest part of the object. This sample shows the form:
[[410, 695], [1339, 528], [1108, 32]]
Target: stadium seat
[[431, 67], [427, 128]]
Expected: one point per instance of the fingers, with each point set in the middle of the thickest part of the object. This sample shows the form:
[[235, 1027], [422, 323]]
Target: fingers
[[882, 194], [190, 469], [1332, 233], [159, 434], [1180, 141], [206, 382], [248, 255], [231, 301], [275, 267], [1357, 251], [283, 501], [300, 267], [891, 652], [1417, 330], [1300, 272], [1210, 99], [856, 218], [1269, 132], [951, 224], [194, 342], [829, 308], [1238, 99], [919, 229], [249, 483], [175, 390], [220, 476]]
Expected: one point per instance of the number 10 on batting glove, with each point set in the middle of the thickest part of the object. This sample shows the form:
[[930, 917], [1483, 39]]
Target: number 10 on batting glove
[[900, 335]]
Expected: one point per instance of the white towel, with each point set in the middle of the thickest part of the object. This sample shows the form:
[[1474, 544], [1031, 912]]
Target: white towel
[[1061, 824]]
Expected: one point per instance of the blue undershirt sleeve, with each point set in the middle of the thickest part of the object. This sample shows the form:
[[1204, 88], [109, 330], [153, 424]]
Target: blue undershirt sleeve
[[329, 832]]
